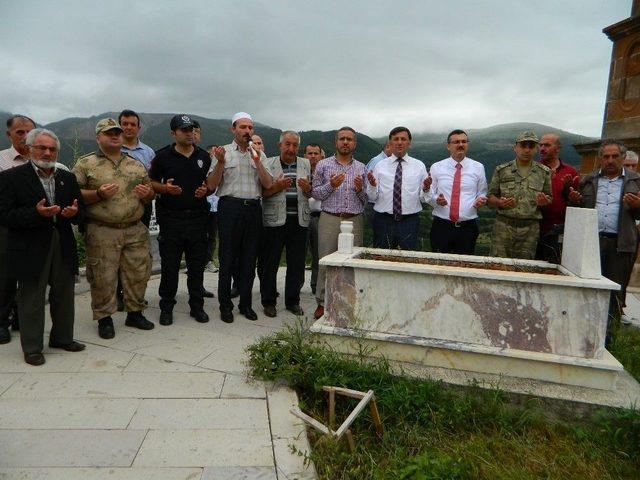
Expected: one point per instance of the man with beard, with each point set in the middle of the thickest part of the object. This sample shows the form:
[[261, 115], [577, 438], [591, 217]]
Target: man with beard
[[338, 183], [285, 215], [178, 173], [552, 224], [458, 189], [115, 188], [18, 127], [614, 192], [38, 203], [238, 174], [519, 190]]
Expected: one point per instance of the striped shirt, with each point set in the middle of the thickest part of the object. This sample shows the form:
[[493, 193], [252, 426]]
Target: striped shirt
[[343, 199], [291, 193], [240, 178]]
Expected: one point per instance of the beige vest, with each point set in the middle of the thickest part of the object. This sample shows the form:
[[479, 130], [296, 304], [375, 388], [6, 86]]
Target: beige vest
[[274, 208]]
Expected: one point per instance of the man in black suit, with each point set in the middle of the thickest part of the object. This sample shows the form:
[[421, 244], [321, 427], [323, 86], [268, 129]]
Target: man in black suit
[[38, 204]]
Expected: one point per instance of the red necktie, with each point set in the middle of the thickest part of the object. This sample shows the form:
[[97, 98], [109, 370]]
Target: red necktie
[[454, 211]]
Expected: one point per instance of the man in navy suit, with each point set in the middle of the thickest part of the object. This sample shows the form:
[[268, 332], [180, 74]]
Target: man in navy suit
[[38, 204]]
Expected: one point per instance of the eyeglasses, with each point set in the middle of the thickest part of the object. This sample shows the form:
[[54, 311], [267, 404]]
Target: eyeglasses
[[42, 149]]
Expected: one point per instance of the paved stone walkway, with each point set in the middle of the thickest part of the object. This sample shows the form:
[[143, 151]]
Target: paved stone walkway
[[167, 404]]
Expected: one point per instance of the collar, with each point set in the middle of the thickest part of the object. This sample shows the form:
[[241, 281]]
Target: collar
[[100, 153], [335, 159], [393, 157], [453, 162], [15, 154], [623, 174], [137, 147]]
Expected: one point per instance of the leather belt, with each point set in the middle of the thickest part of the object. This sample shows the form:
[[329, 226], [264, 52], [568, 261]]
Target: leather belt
[[608, 235], [342, 214], [458, 224], [315, 214], [243, 201], [397, 218]]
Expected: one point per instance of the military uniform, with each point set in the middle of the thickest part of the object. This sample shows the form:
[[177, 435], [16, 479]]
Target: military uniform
[[115, 238], [516, 230]]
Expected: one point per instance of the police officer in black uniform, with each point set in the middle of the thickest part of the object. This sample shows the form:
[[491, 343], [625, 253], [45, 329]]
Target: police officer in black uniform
[[178, 173]]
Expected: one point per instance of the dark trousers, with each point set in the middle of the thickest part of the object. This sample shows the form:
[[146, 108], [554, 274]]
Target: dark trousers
[[389, 232], [8, 282], [617, 268], [292, 237], [212, 233], [313, 247], [180, 233], [239, 227], [31, 302], [446, 237]]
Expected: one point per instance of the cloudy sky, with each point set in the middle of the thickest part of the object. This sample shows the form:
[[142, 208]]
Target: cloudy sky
[[426, 64]]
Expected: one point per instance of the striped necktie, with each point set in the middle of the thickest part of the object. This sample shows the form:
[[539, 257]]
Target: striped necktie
[[397, 189]]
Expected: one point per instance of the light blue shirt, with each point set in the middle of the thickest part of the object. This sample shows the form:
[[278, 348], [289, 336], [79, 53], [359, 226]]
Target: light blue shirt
[[608, 203], [213, 202], [141, 152], [374, 161]]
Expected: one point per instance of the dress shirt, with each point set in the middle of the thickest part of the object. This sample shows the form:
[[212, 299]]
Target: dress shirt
[[473, 184], [343, 199], [413, 174], [240, 178], [141, 152], [608, 202], [48, 183], [375, 160], [10, 158]]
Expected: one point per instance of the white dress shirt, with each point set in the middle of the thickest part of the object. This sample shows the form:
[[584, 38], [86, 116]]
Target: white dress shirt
[[10, 158], [473, 184], [413, 174]]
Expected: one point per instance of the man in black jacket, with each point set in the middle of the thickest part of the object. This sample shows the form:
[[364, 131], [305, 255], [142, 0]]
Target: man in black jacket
[[38, 204]]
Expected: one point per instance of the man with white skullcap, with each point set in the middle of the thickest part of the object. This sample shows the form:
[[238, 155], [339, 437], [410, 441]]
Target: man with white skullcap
[[238, 174]]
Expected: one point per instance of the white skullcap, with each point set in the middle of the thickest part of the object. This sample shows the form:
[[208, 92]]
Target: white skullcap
[[240, 115]]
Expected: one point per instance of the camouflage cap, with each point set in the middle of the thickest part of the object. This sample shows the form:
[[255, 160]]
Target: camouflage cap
[[528, 136], [107, 124]]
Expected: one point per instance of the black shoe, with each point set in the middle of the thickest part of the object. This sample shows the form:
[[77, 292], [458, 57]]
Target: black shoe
[[270, 311], [235, 292], [69, 347], [296, 310], [5, 335], [166, 317], [226, 315], [137, 320], [105, 328], [34, 358], [248, 313], [200, 316], [207, 294]]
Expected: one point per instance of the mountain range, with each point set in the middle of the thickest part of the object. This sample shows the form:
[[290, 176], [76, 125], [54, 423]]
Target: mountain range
[[491, 146]]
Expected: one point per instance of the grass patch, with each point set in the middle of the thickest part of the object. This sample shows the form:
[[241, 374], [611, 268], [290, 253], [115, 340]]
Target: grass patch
[[434, 431]]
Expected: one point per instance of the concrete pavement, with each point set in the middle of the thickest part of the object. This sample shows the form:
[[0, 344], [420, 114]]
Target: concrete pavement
[[171, 403]]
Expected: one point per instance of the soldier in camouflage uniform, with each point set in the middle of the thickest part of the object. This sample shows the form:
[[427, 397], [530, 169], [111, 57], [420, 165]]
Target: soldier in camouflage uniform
[[115, 188], [518, 190]]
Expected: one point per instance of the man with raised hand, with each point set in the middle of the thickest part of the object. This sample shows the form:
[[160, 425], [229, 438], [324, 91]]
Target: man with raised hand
[[38, 204], [115, 188], [397, 185], [178, 173], [552, 224], [339, 183], [458, 189], [238, 174], [519, 190], [285, 215]]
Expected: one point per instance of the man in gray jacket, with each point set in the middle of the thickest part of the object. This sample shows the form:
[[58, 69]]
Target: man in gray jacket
[[285, 216], [614, 192]]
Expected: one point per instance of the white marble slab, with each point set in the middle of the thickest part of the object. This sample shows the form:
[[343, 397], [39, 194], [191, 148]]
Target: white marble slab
[[293, 465], [239, 473], [8, 379], [237, 386], [66, 413], [113, 385], [581, 234], [199, 448], [283, 423], [148, 364], [168, 414], [69, 448]]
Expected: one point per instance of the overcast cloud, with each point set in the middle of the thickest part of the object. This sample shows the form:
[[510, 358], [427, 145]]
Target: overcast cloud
[[428, 64]]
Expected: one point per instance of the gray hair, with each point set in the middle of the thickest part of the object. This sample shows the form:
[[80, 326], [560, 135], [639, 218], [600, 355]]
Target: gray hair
[[36, 132], [289, 133], [606, 143], [632, 156]]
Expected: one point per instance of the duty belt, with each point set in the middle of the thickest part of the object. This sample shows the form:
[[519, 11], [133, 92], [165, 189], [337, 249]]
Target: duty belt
[[119, 226]]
